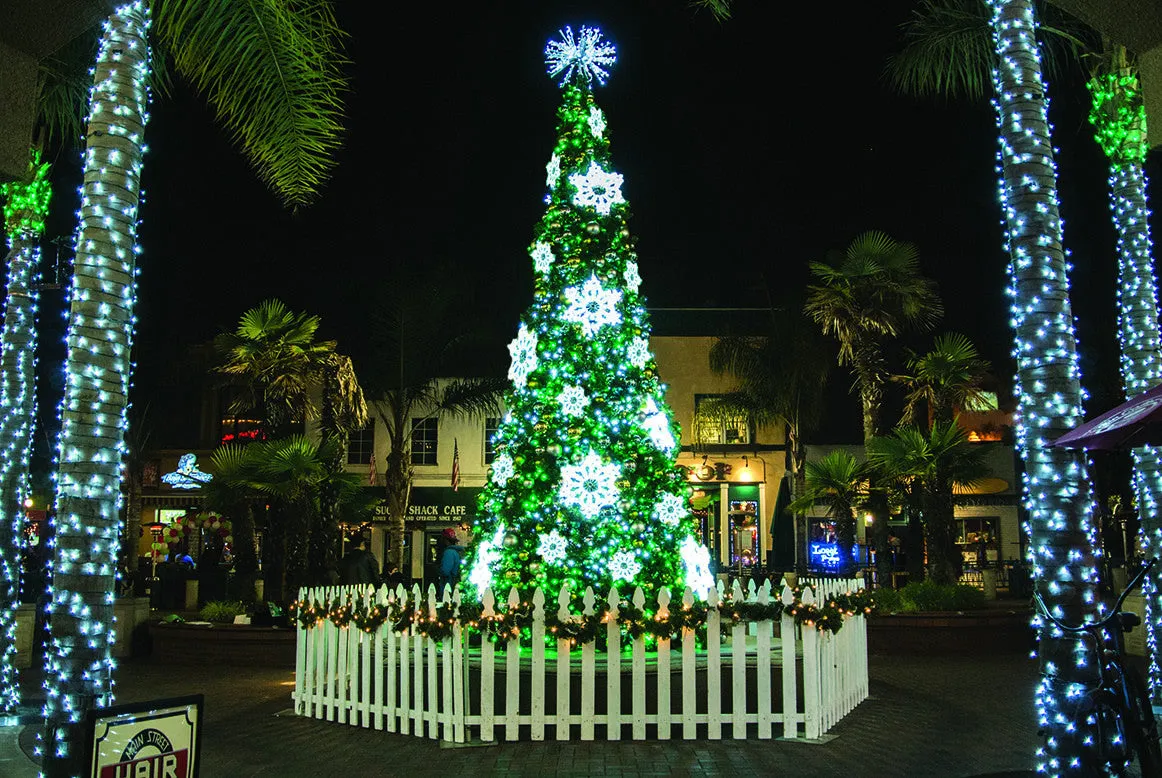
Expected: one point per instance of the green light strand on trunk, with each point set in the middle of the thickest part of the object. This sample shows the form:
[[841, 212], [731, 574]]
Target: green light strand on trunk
[[1119, 116], [26, 202]]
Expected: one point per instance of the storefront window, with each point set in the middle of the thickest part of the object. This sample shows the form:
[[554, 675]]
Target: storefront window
[[424, 440], [361, 445], [743, 530], [491, 424], [716, 424]]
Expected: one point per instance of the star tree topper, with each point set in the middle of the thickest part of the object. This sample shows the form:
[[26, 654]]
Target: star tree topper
[[587, 56]]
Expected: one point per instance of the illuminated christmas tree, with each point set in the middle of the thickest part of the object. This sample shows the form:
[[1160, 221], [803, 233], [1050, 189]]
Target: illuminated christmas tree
[[584, 489]]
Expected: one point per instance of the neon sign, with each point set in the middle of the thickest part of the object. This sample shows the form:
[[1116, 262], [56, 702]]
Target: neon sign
[[827, 554], [187, 476]]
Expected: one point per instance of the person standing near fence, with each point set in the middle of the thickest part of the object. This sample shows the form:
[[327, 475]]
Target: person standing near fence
[[359, 566], [450, 560]]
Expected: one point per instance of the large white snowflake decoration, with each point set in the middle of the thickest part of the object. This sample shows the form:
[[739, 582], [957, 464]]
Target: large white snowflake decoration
[[696, 561], [596, 121], [657, 425], [502, 469], [633, 279], [592, 306], [624, 565], [671, 509], [590, 485], [487, 554], [524, 356], [587, 55], [573, 400], [553, 547], [553, 171], [543, 258], [597, 188], [638, 352]]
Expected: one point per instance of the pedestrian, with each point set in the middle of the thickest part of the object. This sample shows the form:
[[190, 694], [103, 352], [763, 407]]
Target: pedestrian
[[450, 561], [359, 567], [393, 577]]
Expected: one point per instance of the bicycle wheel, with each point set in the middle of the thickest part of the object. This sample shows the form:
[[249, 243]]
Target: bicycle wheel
[[1143, 729]]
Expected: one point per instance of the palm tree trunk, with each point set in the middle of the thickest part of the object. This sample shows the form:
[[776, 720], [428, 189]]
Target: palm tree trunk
[[245, 558], [17, 362], [79, 663], [944, 564], [398, 484], [871, 395], [1057, 496], [1121, 122]]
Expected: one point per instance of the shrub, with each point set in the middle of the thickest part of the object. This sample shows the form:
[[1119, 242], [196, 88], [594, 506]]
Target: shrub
[[927, 596], [222, 612]]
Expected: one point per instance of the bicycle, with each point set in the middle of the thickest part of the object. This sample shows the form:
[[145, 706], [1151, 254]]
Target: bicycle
[[1119, 703]]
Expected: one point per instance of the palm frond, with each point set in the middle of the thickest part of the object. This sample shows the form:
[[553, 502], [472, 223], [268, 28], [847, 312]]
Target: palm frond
[[272, 71], [471, 397], [720, 9], [948, 51]]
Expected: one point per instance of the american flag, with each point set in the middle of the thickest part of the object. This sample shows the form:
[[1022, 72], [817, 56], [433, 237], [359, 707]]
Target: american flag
[[455, 465], [372, 475]]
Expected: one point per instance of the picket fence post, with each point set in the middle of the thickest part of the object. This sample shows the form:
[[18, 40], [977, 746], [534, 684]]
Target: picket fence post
[[487, 672], [763, 666], [588, 672], [663, 669], [564, 658], [537, 635], [787, 638], [613, 669], [689, 669], [738, 668], [638, 671]]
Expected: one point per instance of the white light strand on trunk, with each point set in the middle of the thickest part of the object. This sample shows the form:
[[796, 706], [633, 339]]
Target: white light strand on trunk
[[1056, 491], [78, 663]]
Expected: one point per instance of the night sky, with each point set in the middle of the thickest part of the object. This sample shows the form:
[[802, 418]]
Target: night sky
[[748, 148]]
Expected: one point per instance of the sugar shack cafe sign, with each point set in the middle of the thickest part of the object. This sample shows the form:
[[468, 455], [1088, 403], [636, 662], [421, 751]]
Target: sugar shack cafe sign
[[158, 739], [434, 503]]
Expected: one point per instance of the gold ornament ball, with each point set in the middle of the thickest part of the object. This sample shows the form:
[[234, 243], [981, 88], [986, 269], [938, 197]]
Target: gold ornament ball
[[510, 540], [593, 228]]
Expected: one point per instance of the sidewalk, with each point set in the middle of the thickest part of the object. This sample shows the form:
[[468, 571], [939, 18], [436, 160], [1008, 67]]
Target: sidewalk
[[943, 717]]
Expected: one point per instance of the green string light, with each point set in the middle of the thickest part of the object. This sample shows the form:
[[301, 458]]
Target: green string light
[[26, 202], [1119, 116]]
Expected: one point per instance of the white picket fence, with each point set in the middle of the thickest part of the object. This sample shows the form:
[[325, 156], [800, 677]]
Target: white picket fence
[[411, 684]]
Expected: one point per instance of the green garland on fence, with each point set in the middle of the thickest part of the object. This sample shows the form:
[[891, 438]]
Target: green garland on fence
[[510, 623]]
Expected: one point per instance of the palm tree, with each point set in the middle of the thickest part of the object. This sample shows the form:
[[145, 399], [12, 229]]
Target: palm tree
[[274, 353], [230, 493], [780, 380], [946, 379], [872, 292], [282, 367], [926, 466], [838, 481], [1048, 383], [25, 207], [271, 73]]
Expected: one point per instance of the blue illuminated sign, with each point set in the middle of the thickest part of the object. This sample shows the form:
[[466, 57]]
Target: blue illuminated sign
[[827, 554]]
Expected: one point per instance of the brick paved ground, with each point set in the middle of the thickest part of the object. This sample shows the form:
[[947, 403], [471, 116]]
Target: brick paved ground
[[945, 717]]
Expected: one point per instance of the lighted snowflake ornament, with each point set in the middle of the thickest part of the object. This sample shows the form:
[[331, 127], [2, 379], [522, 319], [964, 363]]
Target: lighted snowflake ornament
[[573, 400], [592, 306], [553, 171], [638, 352], [502, 469], [596, 121], [657, 425], [590, 485], [543, 258], [597, 188], [487, 554], [553, 547], [671, 509], [624, 565], [587, 56], [633, 279], [696, 561], [524, 356]]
